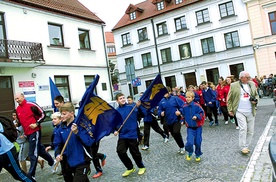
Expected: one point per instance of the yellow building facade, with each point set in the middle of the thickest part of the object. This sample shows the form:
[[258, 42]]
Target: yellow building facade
[[262, 17]]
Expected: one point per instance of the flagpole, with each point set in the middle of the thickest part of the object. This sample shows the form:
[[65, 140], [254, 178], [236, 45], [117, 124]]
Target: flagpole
[[67, 140], [127, 118]]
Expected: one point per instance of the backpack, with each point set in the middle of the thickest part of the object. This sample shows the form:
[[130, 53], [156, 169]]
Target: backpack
[[10, 132]]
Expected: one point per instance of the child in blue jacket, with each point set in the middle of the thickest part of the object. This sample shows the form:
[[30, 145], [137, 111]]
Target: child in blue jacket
[[128, 136], [76, 156], [194, 119]]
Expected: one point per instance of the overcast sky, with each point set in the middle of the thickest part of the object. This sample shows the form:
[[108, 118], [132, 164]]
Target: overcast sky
[[110, 11]]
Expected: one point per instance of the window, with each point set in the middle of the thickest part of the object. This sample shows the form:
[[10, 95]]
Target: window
[[130, 69], [62, 84], [111, 49], [146, 58], [160, 5], [226, 9], [180, 23], [104, 86], [272, 20], [185, 51], [232, 40], [166, 55], [84, 39], [55, 34], [132, 15], [88, 79], [2, 27], [208, 45], [148, 82], [126, 39], [178, 1], [142, 34], [162, 29], [202, 16], [170, 81], [3, 51]]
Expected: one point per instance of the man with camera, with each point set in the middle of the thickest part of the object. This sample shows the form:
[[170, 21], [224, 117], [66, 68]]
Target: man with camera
[[242, 101]]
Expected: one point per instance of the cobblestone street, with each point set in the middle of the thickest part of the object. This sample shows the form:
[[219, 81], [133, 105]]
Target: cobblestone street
[[221, 159]]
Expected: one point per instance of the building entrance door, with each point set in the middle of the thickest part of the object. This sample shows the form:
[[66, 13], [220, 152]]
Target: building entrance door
[[6, 99]]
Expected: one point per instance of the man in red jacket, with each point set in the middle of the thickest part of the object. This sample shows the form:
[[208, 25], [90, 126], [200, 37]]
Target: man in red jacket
[[30, 115]]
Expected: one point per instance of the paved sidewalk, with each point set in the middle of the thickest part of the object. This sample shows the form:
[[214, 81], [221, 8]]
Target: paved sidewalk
[[259, 167]]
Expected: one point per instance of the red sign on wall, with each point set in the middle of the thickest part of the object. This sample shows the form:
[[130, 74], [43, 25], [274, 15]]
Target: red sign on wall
[[26, 84]]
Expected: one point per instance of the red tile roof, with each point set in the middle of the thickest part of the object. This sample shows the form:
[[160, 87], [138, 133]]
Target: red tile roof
[[109, 37], [150, 11], [72, 8]]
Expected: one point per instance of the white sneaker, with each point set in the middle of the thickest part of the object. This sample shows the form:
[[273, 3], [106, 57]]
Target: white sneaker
[[145, 148], [181, 151], [53, 167], [166, 140], [237, 128], [226, 122]]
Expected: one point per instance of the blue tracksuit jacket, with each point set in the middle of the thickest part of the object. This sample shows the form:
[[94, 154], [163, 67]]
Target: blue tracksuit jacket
[[170, 105], [74, 150]]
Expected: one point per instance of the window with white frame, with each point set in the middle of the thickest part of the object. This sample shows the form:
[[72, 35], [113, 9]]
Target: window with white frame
[[185, 51], [160, 5], [142, 34], [226, 9], [55, 34], [130, 68], [202, 16], [272, 21], [232, 40], [162, 29], [126, 39], [146, 58], [180, 23], [132, 15], [84, 39], [208, 45], [111, 49], [166, 55], [178, 1]]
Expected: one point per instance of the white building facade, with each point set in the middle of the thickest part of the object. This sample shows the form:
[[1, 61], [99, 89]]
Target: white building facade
[[186, 44], [39, 41]]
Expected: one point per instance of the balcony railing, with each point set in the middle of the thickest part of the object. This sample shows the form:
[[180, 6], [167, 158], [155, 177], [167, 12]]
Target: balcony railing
[[20, 50]]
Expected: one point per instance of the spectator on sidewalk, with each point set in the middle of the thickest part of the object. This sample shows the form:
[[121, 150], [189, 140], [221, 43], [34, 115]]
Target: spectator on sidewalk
[[242, 102]]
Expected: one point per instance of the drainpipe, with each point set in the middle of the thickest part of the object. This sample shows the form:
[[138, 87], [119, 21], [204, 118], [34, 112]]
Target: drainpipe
[[155, 46], [107, 64]]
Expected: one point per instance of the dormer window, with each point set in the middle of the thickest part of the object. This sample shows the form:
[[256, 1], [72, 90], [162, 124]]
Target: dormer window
[[160, 5], [178, 1], [132, 15]]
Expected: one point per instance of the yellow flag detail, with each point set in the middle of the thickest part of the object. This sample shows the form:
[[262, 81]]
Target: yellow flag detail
[[155, 89], [94, 108]]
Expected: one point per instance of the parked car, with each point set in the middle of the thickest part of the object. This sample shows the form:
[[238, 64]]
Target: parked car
[[47, 128], [272, 154]]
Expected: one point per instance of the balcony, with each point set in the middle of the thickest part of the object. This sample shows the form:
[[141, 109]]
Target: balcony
[[15, 53]]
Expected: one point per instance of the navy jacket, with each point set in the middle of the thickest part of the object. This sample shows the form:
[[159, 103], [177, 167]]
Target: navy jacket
[[209, 96], [129, 129], [75, 148], [189, 111], [170, 105]]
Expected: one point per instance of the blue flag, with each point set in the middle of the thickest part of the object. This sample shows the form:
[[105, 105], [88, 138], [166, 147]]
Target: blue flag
[[154, 93], [54, 92], [96, 115]]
